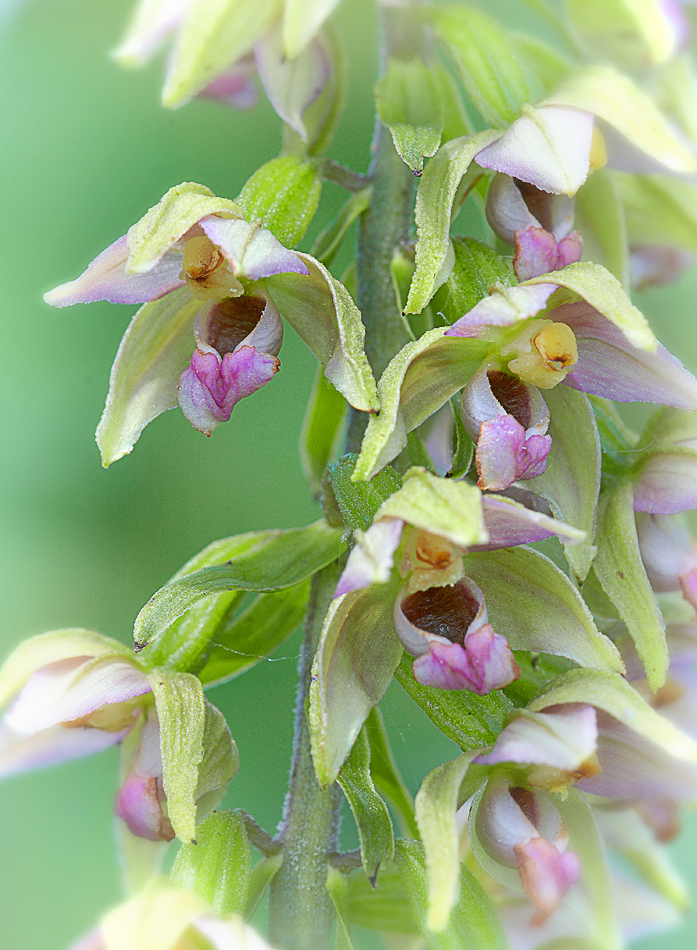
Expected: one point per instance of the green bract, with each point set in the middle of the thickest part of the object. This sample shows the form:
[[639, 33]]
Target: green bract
[[284, 193]]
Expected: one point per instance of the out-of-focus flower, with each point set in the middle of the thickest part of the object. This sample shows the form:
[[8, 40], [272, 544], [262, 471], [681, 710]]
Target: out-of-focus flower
[[669, 553]]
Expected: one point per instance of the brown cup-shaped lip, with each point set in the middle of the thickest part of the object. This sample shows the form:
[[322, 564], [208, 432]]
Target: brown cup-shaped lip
[[445, 613], [513, 395], [252, 320], [493, 392]]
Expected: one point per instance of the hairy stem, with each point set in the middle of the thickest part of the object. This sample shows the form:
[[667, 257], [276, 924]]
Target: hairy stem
[[301, 911]]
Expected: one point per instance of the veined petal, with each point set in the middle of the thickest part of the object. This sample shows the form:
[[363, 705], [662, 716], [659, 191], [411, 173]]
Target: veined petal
[[22, 753], [107, 279], [563, 738], [504, 307], [549, 147], [667, 482], [371, 560], [510, 523], [251, 250]]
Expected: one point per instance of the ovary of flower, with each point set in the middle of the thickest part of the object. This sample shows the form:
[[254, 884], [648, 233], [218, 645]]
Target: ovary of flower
[[543, 354], [430, 561], [206, 272]]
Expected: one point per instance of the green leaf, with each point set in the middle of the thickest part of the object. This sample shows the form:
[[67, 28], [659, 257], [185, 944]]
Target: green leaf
[[436, 804], [474, 923], [255, 633], [213, 35], [385, 775], [470, 721], [492, 67], [617, 442], [153, 353], [617, 100], [408, 101], [659, 206], [338, 891], [464, 446], [600, 218], [571, 482], [218, 864], [360, 501], [260, 560], [477, 267], [284, 193], [173, 215], [549, 65], [329, 241], [263, 873], [619, 568], [536, 607], [199, 757], [417, 381], [597, 286], [384, 907], [450, 509], [323, 427], [323, 314], [433, 213], [369, 810], [353, 667]]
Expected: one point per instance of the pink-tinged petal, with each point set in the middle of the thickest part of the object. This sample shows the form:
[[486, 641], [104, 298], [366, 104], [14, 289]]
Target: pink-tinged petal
[[679, 24], [210, 387], [91, 941], [667, 550], [569, 249], [688, 582], [372, 558], [548, 147], [485, 663], [608, 365], [535, 253], [106, 279], [655, 264], [73, 689], [22, 753], [507, 210], [509, 524], [235, 87], [504, 307], [666, 484], [563, 738], [251, 250], [291, 84], [546, 875], [139, 804], [505, 454]]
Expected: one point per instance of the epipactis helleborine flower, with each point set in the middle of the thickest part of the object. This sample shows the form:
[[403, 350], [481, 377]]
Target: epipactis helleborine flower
[[669, 553]]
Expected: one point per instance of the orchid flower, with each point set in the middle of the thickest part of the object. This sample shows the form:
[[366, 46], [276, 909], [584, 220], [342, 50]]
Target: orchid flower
[[669, 553]]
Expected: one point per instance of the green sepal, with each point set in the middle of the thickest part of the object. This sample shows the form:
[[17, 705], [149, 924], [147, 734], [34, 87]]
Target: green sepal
[[477, 267], [337, 887], [301, 20], [617, 100], [471, 721], [284, 193], [463, 454], [659, 206], [173, 215], [408, 102], [617, 442], [260, 561], [52, 647], [417, 381], [353, 666], [369, 810], [385, 774], [329, 241], [385, 907], [257, 631], [213, 35], [598, 287], [199, 757], [154, 352], [218, 864], [619, 568], [322, 429], [474, 922], [571, 483], [600, 217], [359, 501], [323, 314], [549, 65], [491, 65], [434, 207], [634, 34], [262, 875], [450, 509], [536, 607], [155, 919], [437, 802]]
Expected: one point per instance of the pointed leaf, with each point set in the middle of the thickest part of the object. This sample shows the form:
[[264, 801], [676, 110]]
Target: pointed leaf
[[417, 381], [477, 267], [322, 429], [434, 207], [369, 810], [469, 720], [353, 667], [600, 218], [324, 316], [255, 633], [409, 103], [571, 482], [263, 873], [620, 570], [263, 560], [474, 922], [436, 804], [536, 607], [338, 891], [493, 69], [359, 502], [153, 353], [385, 775], [284, 193], [218, 865]]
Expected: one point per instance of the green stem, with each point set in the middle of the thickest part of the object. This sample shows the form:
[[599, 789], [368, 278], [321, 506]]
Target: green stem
[[301, 912]]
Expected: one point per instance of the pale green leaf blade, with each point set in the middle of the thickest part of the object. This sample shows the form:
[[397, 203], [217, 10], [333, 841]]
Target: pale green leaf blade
[[153, 353], [620, 570], [385, 774], [284, 193], [408, 102], [662, 207], [359, 502], [477, 267], [433, 212], [353, 667], [536, 607], [263, 873], [329, 241], [218, 865], [600, 217], [385, 907], [338, 891], [323, 426]]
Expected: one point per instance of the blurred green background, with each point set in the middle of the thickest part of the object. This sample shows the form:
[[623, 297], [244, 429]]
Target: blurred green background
[[86, 150]]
